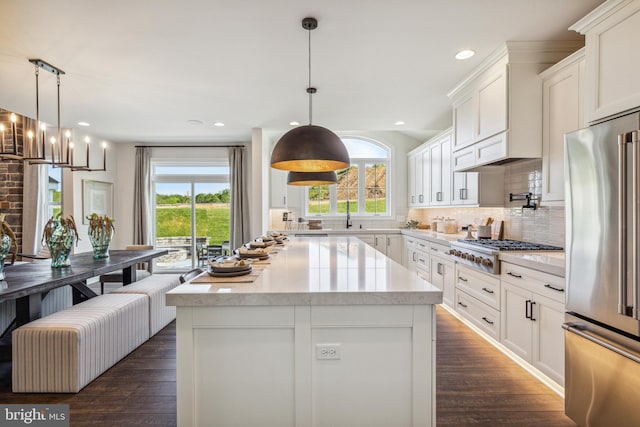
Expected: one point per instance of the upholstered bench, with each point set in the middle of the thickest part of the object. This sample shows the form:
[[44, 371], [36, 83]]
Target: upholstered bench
[[65, 351], [155, 287]]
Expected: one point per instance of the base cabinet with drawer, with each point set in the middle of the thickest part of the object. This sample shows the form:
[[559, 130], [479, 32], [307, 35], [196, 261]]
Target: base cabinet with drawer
[[478, 299], [532, 313]]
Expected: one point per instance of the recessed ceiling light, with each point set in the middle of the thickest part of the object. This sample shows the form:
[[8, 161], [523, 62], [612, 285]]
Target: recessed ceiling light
[[399, 123], [294, 123], [194, 122], [218, 124], [83, 124], [465, 54]]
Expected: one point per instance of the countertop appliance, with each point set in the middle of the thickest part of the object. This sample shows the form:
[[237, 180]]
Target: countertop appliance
[[482, 254], [602, 337]]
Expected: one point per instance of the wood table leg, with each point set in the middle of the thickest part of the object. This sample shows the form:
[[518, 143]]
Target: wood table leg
[[80, 292]]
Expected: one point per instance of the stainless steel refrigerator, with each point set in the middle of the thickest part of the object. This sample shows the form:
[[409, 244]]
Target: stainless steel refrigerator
[[602, 337]]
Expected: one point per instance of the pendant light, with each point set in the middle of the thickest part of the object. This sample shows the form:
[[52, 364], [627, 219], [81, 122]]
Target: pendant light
[[310, 148], [312, 178]]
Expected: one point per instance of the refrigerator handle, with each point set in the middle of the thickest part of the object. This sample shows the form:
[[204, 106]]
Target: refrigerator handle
[[622, 223], [575, 328], [634, 223]]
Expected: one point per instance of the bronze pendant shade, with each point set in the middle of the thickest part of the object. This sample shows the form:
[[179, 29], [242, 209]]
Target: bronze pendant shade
[[311, 178], [310, 148]]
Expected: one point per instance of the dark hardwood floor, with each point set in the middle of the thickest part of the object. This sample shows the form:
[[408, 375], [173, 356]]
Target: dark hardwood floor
[[476, 386]]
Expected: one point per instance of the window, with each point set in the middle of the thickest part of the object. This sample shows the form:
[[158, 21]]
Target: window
[[191, 209], [54, 191], [361, 188]]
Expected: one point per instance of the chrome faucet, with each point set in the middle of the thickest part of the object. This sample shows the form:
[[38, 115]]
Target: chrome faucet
[[349, 224]]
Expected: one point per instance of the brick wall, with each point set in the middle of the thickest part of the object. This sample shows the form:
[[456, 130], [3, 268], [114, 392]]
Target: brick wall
[[11, 179]]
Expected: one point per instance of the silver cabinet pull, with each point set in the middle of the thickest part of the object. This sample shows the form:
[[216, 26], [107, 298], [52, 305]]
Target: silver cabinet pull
[[420, 198], [464, 194], [439, 269], [414, 256], [622, 221], [553, 288], [388, 241]]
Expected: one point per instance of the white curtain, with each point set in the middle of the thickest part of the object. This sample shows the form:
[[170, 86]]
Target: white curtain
[[142, 198], [239, 227], [34, 207]]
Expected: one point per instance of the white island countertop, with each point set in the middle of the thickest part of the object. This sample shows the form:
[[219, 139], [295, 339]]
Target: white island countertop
[[317, 271]]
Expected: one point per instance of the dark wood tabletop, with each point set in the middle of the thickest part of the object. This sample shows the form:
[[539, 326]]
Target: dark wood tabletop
[[26, 283]]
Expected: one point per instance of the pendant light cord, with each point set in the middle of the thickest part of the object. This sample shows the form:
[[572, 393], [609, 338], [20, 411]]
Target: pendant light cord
[[310, 90]]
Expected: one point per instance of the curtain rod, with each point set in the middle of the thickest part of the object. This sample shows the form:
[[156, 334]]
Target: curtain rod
[[190, 146]]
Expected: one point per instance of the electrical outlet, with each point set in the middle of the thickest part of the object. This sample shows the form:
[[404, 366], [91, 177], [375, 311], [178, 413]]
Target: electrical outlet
[[328, 351]]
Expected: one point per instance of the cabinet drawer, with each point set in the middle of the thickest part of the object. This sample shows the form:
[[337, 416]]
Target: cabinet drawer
[[423, 273], [541, 283], [422, 260], [481, 286], [463, 159], [480, 314], [439, 250]]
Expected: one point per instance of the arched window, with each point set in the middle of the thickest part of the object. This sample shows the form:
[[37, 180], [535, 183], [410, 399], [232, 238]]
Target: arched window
[[362, 188]]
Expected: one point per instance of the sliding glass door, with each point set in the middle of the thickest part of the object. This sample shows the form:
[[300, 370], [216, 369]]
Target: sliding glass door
[[191, 205]]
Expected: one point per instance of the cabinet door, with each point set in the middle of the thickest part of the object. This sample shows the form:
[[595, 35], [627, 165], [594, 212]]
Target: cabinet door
[[492, 103], [612, 64], [562, 112], [369, 239], [380, 242], [548, 338], [463, 123], [516, 329], [411, 180], [423, 178], [394, 247], [442, 275], [440, 172], [435, 171], [278, 188]]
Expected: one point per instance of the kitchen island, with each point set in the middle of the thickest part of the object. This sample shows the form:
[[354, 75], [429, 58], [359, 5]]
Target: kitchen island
[[331, 333]]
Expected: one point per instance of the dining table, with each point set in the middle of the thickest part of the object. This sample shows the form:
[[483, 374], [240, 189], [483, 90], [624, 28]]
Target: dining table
[[28, 283]]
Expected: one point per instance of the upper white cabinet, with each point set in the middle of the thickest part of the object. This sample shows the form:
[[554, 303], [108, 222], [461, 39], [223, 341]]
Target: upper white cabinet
[[612, 63], [440, 170], [418, 177], [562, 109], [496, 110], [278, 188]]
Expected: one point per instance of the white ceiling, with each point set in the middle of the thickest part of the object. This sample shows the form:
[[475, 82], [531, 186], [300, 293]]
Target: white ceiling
[[138, 70]]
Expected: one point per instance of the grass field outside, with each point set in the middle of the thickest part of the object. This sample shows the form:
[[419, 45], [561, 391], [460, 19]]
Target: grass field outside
[[371, 206], [212, 220]]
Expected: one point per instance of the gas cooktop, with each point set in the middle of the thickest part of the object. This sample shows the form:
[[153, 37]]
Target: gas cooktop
[[510, 245]]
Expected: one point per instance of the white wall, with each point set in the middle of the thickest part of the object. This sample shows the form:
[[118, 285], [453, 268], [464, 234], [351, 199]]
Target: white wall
[[72, 181]]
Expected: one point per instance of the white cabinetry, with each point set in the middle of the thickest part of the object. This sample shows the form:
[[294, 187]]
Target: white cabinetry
[[499, 105], [388, 244], [562, 109], [417, 256], [443, 272], [440, 170], [532, 308], [477, 298], [278, 188], [612, 63], [418, 177]]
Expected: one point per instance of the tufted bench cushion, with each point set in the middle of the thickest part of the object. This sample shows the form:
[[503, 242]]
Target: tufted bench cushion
[[65, 351], [155, 287]]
